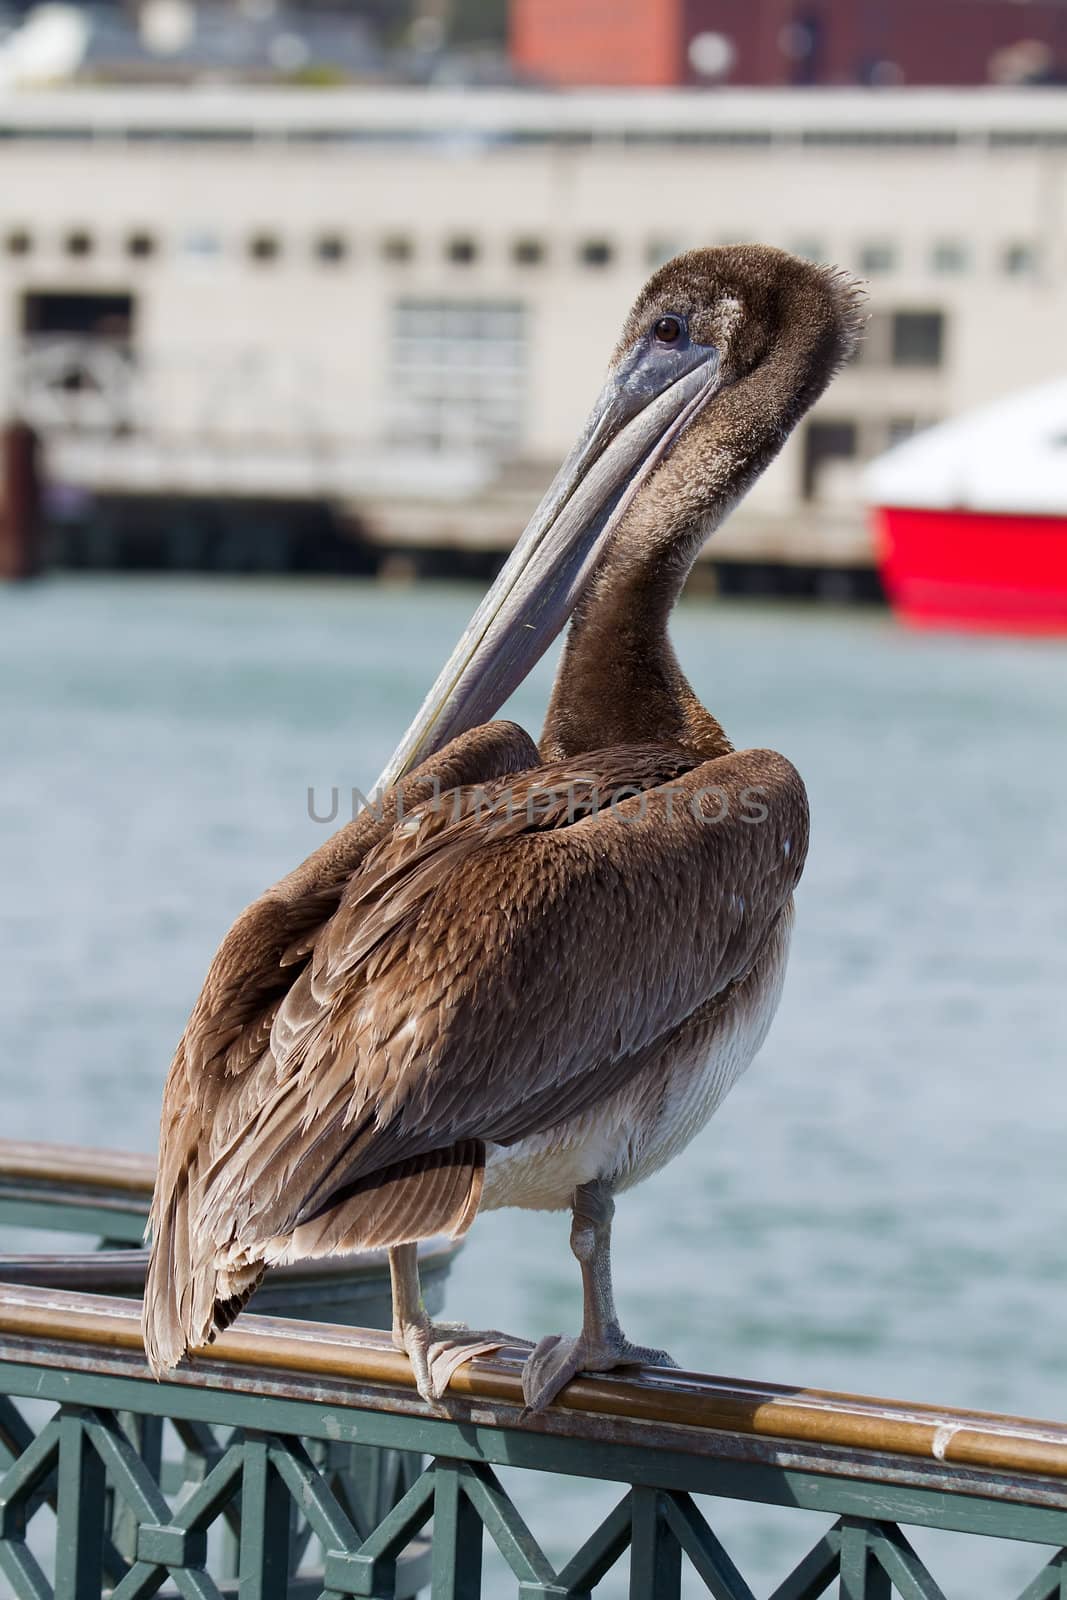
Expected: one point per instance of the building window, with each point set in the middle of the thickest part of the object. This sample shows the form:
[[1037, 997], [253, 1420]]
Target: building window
[[201, 244], [397, 247], [264, 247], [95, 316], [917, 339], [331, 249], [528, 252], [825, 442], [1020, 260], [595, 253], [77, 368], [949, 256], [877, 257], [78, 243], [458, 375], [18, 242], [462, 252], [140, 246]]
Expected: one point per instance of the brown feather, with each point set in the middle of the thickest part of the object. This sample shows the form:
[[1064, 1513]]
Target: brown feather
[[222, 1067], [414, 1199], [442, 1041]]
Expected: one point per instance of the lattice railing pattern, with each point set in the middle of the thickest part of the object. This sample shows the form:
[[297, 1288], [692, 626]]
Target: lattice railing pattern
[[139, 1505], [127, 1518], [296, 1461]]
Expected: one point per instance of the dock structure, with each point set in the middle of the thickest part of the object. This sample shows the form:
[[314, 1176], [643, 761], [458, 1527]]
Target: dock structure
[[20, 503], [294, 1459], [398, 304]]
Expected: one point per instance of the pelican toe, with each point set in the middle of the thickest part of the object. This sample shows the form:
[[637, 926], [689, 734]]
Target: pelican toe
[[557, 1359]]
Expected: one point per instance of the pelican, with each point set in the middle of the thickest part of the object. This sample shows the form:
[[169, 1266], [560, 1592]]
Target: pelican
[[529, 975]]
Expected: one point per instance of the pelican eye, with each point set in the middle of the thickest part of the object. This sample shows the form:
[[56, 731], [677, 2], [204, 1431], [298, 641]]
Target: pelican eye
[[668, 330]]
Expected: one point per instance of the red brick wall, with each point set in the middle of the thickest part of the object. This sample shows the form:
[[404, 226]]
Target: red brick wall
[[645, 42], [951, 41], [928, 42], [609, 42]]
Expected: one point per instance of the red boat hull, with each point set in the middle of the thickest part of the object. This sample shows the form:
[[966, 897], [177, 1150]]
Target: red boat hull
[[974, 570]]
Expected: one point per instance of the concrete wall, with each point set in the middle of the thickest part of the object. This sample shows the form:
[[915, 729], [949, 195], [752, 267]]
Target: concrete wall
[[300, 346]]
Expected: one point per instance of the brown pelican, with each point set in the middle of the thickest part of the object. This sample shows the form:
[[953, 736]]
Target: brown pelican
[[531, 974]]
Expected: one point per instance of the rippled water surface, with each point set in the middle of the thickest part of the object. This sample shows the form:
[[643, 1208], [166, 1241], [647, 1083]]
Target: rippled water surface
[[882, 1203]]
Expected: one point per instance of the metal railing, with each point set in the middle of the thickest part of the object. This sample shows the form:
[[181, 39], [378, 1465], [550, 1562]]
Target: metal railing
[[107, 1193], [70, 1189], [236, 1476]]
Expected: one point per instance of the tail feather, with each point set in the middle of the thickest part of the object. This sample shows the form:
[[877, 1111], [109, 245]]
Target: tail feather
[[243, 1286], [164, 1315], [194, 1289]]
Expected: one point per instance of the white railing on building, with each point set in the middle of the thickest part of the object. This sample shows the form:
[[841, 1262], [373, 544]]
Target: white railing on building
[[453, 117]]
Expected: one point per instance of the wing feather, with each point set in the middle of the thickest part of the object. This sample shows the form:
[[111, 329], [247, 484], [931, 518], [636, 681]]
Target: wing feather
[[223, 1073], [428, 1013]]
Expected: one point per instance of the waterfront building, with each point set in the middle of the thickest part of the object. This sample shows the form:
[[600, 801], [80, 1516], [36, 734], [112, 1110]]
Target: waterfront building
[[399, 304]]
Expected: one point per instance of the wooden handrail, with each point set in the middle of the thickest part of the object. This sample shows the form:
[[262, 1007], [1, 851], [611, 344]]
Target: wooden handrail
[[35, 1311], [31, 1320], [78, 1166]]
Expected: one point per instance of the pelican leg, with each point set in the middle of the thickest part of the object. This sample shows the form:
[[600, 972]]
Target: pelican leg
[[435, 1349], [601, 1345]]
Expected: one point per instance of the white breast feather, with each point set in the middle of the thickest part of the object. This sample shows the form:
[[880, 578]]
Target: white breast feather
[[639, 1129]]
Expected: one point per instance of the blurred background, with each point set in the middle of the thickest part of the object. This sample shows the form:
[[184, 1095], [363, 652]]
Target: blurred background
[[321, 287], [300, 306]]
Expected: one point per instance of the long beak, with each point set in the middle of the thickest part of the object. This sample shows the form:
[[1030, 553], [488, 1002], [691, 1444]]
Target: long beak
[[628, 434]]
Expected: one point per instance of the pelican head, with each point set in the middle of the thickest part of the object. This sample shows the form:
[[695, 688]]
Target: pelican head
[[704, 327]]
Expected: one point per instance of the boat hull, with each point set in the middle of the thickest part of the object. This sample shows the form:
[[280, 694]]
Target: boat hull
[[974, 570]]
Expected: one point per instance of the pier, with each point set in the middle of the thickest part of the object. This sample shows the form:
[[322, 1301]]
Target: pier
[[294, 1458]]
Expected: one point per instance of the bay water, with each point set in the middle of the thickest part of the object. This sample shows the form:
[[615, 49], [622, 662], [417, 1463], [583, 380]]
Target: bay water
[[880, 1206]]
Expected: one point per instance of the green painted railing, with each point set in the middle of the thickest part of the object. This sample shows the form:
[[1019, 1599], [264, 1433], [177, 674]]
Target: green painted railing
[[107, 1193], [236, 1476], [74, 1190]]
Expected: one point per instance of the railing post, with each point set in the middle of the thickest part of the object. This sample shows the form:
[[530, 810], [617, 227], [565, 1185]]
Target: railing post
[[655, 1554], [146, 1436], [862, 1577], [457, 1538], [80, 1506], [265, 1525]]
